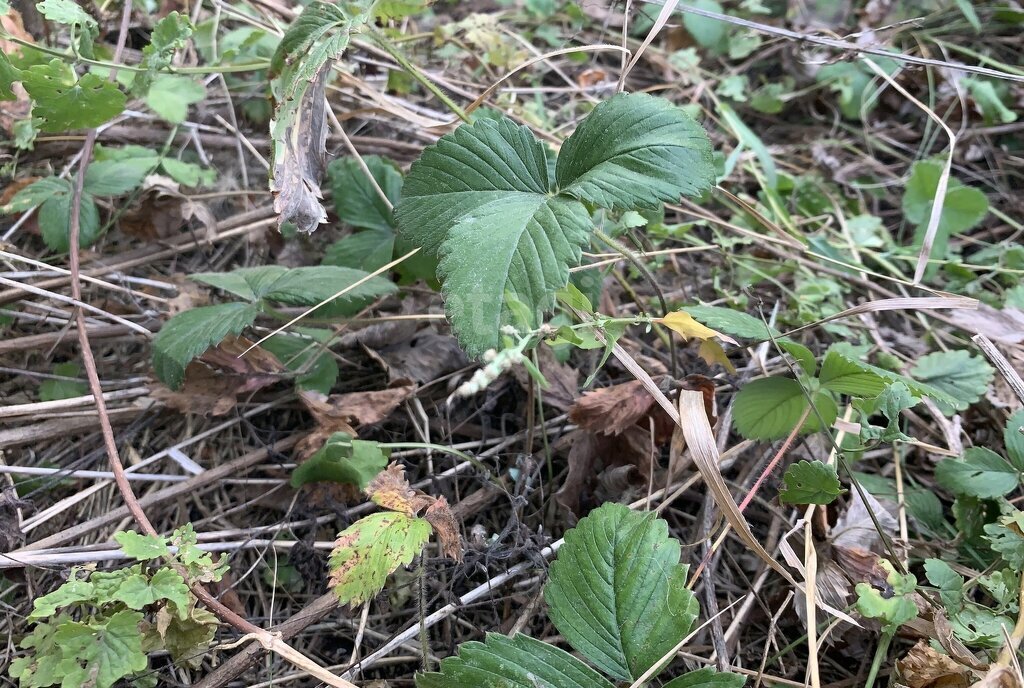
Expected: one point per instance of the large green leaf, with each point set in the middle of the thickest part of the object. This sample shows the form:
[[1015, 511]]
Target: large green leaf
[[480, 200], [62, 100], [370, 549], [730, 321], [299, 71], [483, 201], [844, 373], [959, 374], [980, 473], [305, 286], [342, 460], [109, 650], [617, 591], [635, 151], [192, 332], [810, 482], [769, 409], [517, 662]]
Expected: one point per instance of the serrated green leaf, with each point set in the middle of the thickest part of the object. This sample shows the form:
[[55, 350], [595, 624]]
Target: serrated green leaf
[[71, 592], [770, 408], [708, 678], [299, 70], [65, 12], [635, 151], [170, 96], [36, 193], [189, 334], [356, 202], [308, 286], [488, 182], [980, 473], [342, 460], [617, 592], [62, 101], [50, 390], [950, 583], [516, 662], [55, 222], [9, 74], [843, 373], [961, 375], [142, 547], [810, 482], [167, 584], [366, 552], [1006, 537], [319, 370], [110, 651], [482, 200], [170, 34]]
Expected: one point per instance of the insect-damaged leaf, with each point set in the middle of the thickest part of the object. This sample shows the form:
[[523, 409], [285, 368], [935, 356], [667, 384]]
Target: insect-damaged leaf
[[300, 67], [370, 549]]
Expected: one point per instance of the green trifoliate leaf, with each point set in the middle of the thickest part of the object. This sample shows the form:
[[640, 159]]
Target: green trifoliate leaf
[[980, 473], [810, 482], [142, 547], [299, 71], [370, 549], [635, 151], [617, 591], [480, 200], [189, 334], [342, 460], [63, 101], [961, 375], [517, 662], [708, 678], [771, 407]]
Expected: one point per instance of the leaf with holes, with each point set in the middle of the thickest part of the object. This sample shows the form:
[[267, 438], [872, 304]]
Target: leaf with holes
[[366, 552], [516, 662], [62, 100], [617, 591], [810, 482]]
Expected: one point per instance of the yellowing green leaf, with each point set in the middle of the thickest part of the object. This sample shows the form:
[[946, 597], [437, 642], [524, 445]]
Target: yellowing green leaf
[[366, 552]]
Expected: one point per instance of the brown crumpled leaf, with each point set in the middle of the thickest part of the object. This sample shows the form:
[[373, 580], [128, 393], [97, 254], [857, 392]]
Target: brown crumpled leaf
[[855, 541], [442, 520], [300, 159], [923, 667], [162, 211], [391, 490], [11, 536], [358, 408], [612, 410], [605, 467], [214, 382]]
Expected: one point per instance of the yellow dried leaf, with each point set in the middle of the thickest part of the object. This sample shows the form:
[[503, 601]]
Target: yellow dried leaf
[[686, 327]]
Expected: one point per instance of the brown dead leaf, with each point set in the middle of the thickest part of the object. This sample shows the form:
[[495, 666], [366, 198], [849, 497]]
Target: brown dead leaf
[[423, 357], [605, 467], [612, 410], [214, 382], [592, 77], [391, 490], [356, 408], [923, 667], [441, 518], [563, 380], [162, 211]]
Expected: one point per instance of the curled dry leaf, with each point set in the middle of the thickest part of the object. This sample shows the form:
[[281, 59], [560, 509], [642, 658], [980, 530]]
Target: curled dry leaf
[[612, 410], [162, 211], [923, 667], [441, 518], [391, 490], [605, 467], [345, 412]]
